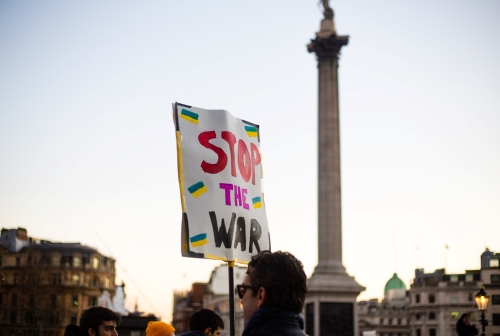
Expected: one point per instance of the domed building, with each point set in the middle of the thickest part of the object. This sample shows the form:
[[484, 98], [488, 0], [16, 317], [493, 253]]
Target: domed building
[[389, 317], [395, 292]]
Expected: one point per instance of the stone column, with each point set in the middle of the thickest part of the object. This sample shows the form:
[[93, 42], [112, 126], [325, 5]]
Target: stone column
[[331, 301]]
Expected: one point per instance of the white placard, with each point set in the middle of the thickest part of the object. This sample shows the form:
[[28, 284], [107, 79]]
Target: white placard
[[220, 179]]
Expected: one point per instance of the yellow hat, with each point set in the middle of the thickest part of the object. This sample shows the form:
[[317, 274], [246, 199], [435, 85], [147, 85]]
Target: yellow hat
[[157, 328]]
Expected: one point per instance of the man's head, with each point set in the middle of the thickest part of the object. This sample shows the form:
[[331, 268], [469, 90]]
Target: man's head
[[100, 321], [273, 279], [157, 328], [206, 321]]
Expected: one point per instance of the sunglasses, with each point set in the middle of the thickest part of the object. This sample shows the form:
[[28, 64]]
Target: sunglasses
[[241, 289]]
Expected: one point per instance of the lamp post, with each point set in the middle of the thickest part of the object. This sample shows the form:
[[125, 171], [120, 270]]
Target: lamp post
[[482, 299]]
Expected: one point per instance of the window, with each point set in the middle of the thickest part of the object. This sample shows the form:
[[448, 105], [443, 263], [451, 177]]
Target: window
[[13, 317], [432, 316], [417, 316], [471, 297], [95, 262], [454, 315], [453, 299], [55, 261], [76, 279], [56, 279], [495, 278], [494, 263], [432, 332], [1, 260], [454, 278], [31, 300], [107, 283], [77, 262], [417, 298], [53, 301], [495, 300], [18, 261], [14, 300], [432, 298], [469, 277], [73, 319], [419, 332], [496, 319], [92, 302], [1, 299], [16, 278], [399, 321], [75, 300]]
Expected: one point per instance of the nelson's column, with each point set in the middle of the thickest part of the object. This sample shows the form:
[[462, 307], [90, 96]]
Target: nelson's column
[[330, 307]]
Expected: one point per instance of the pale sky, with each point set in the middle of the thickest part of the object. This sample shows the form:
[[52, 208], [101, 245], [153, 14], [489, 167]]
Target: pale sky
[[87, 142]]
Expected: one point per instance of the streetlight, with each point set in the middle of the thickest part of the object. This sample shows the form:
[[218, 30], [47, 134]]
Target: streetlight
[[482, 299]]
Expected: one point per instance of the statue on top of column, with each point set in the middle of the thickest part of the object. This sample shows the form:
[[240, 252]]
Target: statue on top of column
[[328, 11]]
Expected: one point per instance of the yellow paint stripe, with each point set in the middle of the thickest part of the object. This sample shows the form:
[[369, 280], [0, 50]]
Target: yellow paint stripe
[[252, 134], [257, 205], [199, 243], [200, 192], [180, 169], [188, 118]]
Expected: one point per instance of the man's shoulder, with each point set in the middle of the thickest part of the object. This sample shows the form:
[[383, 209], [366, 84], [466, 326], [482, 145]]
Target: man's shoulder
[[193, 333], [74, 330]]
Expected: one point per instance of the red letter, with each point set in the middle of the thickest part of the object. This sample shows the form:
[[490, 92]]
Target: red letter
[[255, 159], [231, 140], [244, 161], [210, 168]]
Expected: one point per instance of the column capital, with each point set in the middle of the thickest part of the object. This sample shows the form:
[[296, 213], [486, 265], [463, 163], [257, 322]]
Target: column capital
[[327, 49]]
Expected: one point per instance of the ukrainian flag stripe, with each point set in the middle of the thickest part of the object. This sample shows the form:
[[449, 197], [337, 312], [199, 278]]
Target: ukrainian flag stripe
[[197, 189], [189, 116], [251, 129], [257, 203], [199, 240]]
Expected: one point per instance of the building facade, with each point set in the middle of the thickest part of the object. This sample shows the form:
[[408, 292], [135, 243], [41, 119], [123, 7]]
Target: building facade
[[45, 285], [389, 317]]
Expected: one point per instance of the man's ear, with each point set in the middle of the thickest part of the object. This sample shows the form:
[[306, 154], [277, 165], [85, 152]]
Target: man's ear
[[91, 332], [207, 331], [261, 296]]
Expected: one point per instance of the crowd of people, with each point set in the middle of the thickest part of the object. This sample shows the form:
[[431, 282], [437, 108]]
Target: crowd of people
[[272, 295]]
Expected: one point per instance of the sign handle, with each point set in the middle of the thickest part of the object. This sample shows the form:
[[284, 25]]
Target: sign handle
[[230, 268]]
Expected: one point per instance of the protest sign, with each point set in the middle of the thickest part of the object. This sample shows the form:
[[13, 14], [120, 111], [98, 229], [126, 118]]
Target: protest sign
[[220, 179]]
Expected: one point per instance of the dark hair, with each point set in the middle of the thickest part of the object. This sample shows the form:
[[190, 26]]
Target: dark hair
[[283, 277], [461, 319], [95, 316], [205, 318]]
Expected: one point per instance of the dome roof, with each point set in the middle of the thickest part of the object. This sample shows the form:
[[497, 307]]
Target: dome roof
[[394, 283]]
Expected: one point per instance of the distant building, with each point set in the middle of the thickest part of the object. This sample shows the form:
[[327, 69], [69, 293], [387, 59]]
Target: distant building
[[217, 297], [186, 303], [438, 299], [434, 302], [45, 285], [389, 317], [213, 295], [490, 275]]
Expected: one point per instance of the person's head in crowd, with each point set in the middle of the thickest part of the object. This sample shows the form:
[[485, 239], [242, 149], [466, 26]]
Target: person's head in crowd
[[157, 328], [100, 321], [276, 280], [206, 321]]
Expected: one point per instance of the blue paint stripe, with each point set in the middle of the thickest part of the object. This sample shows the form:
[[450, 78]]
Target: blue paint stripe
[[196, 186], [190, 114], [199, 237], [250, 129], [256, 199]]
